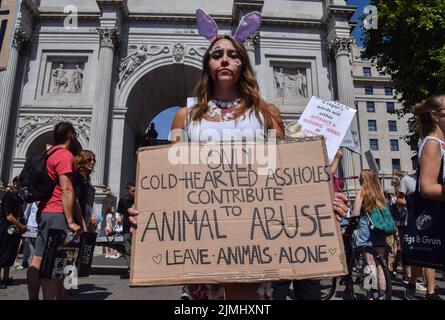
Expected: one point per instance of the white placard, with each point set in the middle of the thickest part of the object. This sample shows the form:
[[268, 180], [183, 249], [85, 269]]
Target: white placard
[[329, 119]]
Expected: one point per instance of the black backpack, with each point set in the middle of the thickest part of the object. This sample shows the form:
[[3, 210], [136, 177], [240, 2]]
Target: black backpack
[[34, 182]]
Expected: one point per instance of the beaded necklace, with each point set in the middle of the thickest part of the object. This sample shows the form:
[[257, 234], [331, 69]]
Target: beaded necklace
[[224, 109]]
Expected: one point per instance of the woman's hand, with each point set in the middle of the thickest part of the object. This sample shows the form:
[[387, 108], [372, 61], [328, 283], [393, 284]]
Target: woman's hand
[[340, 205]]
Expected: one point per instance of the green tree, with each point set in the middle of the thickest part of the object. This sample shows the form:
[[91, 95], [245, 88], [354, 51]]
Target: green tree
[[409, 46]]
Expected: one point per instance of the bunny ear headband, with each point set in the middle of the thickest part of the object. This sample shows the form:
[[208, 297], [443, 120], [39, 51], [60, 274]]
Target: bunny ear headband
[[248, 25]]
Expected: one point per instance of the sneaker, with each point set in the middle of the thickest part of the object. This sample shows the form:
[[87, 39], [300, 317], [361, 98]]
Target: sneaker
[[420, 287], [432, 296], [369, 296], [25, 265], [184, 294], [410, 291], [382, 296], [405, 281]]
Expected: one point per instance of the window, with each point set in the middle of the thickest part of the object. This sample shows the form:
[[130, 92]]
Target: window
[[396, 164], [392, 125], [369, 90], [370, 106], [374, 144], [377, 160], [394, 144], [390, 107], [363, 56], [388, 91], [372, 125], [366, 71]]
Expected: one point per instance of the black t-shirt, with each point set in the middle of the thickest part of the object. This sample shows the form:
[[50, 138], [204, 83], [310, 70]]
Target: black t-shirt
[[122, 208], [84, 192], [11, 202]]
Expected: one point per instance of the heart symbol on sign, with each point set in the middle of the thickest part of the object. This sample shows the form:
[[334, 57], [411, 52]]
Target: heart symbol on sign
[[332, 251], [157, 259]]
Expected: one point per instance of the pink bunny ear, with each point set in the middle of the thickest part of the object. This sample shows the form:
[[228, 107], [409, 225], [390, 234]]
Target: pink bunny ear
[[248, 25], [206, 25]]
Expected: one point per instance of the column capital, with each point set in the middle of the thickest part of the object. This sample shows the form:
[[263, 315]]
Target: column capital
[[109, 37], [340, 46], [251, 42], [20, 40]]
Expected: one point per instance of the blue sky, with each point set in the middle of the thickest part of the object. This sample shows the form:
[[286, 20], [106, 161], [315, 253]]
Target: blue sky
[[360, 6], [164, 119]]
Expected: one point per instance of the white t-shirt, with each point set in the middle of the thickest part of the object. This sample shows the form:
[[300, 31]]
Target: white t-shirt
[[408, 184], [442, 151], [110, 219]]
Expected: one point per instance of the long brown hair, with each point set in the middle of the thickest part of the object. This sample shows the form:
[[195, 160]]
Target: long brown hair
[[424, 122], [247, 86], [371, 192], [80, 161]]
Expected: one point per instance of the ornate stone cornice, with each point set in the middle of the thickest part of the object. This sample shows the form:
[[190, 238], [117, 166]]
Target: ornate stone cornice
[[120, 4], [332, 11], [21, 39], [340, 46], [29, 124], [241, 7], [251, 42], [109, 37]]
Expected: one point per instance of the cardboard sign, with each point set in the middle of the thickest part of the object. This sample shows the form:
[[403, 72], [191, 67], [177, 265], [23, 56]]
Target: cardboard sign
[[329, 119], [8, 15], [60, 254], [225, 222]]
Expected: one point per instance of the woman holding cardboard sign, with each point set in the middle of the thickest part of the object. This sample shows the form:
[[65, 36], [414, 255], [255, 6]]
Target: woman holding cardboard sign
[[228, 106]]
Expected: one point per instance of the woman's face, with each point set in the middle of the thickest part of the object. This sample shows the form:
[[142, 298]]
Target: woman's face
[[225, 63], [439, 116], [90, 161]]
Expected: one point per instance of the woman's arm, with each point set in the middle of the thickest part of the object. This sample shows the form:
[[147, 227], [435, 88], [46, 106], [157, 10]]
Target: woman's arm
[[336, 161], [178, 125], [10, 217], [357, 205], [429, 172]]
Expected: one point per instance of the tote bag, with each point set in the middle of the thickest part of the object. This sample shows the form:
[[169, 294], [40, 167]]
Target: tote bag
[[423, 240]]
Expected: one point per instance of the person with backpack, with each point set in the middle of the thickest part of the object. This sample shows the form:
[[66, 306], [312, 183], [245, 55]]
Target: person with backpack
[[12, 227], [56, 211], [369, 198]]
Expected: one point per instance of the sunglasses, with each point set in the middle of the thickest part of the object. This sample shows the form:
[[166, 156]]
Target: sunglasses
[[91, 160]]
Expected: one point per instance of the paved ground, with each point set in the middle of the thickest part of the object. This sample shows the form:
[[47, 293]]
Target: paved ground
[[105, 284]]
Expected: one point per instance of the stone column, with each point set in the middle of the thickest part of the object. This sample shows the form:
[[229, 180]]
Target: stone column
[[7, 80], [250, 45], [101, 111], [340, 48]]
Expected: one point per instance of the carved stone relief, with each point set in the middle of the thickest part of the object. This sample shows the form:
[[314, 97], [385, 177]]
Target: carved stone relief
[[178, 53], [290, 83], [66, 78], [31, 123], [137, 57]]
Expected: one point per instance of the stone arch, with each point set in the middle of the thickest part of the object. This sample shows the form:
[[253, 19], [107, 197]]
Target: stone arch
[[123, 93], [151, 89]]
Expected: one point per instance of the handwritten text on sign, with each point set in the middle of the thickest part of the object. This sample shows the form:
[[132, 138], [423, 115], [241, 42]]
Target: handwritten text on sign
[[329, 119], [227, 223]]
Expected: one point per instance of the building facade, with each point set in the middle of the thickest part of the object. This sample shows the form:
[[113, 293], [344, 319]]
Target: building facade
[[110, 66], [381, 130]]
